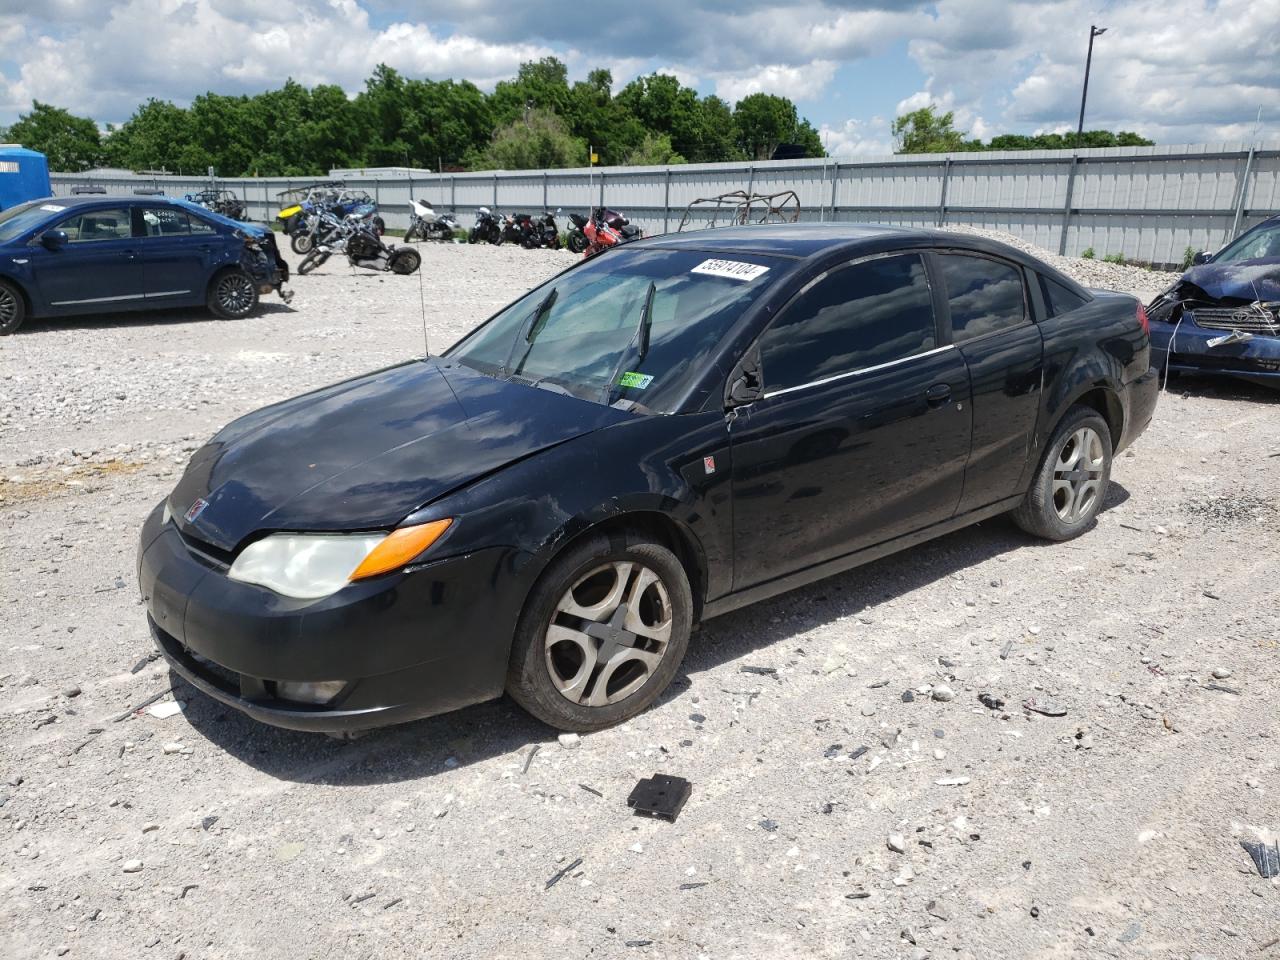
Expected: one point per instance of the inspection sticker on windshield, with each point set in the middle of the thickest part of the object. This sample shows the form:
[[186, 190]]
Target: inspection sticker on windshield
[[637, 380], [52, 207], [730, 269]]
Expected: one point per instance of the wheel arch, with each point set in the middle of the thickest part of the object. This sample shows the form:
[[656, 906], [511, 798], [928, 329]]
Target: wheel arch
[[1106, 402], [660, 527], [27, 303]]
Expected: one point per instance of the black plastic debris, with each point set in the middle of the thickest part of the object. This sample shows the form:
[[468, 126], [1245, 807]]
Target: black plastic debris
[[1265, 858], [660, 796], [591, 790], [908, 696], [855, 754], [769, 825], [693, 886], [760, 671], [563, 873], [990, 702], [1046, 709]]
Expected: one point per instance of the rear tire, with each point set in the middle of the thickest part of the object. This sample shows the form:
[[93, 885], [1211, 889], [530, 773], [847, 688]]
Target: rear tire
[[13, 308], [405, 262], [620, 600], [233, 295], [1070, 484]]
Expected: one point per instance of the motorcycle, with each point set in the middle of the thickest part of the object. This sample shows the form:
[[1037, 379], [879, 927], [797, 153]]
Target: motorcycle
[[487, 229], [605, 228], [543, 231], [426, 224], [358, 239], [516, 228]]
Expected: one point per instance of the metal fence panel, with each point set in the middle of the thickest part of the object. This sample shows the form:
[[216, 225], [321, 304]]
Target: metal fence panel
[[1147, 203]]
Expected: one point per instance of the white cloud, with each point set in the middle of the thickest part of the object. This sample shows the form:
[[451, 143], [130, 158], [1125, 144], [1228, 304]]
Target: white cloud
[[799, 83], [176, 49], [858, 138]]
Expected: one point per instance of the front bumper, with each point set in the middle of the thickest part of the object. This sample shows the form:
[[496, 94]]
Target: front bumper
[[1188, 351], [409, 644]]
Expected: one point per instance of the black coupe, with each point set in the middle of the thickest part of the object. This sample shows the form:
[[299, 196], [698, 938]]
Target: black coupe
[[656, 436]]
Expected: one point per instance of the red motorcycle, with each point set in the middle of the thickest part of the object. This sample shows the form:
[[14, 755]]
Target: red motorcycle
[[604, 229]]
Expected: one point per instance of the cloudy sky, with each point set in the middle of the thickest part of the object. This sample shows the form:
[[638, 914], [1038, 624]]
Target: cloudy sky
[[1179, 71]]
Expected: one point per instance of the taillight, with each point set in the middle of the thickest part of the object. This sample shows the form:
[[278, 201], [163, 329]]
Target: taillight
[[1142, 319]]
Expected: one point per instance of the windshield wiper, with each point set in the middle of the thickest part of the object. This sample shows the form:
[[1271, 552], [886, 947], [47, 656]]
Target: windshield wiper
[[640, 338], [537, 321]]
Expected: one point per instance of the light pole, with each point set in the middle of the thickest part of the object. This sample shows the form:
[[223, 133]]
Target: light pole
[[1088, 62]]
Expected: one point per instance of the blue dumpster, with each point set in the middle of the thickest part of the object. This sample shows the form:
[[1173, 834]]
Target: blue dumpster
[[24, 175]]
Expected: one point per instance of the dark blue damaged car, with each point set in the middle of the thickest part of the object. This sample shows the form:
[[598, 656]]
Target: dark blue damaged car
[[1223, 315]]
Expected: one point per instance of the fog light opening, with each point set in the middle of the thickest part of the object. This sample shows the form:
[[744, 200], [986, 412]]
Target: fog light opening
[[318, 692]]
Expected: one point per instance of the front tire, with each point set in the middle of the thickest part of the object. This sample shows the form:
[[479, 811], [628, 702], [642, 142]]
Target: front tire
[[1070, 484], [602, 633], [13, 308], [312, 260], [302, 243], [577, 242], [233, 295]]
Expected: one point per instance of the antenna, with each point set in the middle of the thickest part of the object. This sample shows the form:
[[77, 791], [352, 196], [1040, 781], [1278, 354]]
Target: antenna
[[422, 302]]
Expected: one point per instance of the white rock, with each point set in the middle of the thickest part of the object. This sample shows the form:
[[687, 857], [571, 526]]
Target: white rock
[[897, 843], [172, 748], [569, 741], [132, 866], [943, 693]]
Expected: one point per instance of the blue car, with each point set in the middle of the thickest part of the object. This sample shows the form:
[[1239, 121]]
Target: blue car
[[64, 257], [1223, 315]]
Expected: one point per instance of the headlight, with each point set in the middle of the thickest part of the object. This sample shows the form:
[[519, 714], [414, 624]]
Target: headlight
[[309, 566]]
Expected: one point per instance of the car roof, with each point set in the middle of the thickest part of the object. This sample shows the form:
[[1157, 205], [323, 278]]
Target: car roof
[[805, 240], [86, 199]]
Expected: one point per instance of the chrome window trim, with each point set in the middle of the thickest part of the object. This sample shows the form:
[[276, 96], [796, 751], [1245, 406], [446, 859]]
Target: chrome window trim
[[919, 252], [859, 372]]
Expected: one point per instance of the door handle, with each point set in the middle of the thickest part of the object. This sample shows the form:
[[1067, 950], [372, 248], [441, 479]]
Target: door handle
[[938, 394]]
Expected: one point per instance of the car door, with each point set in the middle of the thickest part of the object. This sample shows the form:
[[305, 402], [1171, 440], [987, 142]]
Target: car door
[[990, 322], [177, 249], [862, 431], [98, 269]]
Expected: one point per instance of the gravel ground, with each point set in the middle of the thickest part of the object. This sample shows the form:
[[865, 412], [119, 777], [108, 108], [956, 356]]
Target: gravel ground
[[966, 828]]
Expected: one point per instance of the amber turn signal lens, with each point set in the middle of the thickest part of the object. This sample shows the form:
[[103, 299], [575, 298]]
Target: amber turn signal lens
[[399, 548]]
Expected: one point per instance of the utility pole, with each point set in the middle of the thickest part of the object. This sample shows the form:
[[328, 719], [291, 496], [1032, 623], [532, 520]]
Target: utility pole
[[1088, 62]]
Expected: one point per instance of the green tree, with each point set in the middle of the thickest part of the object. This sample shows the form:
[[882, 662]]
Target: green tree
[[654, 150], [927, 131], [763, 121], [71, 143], [542, 141], [538, 85], [156, 137]]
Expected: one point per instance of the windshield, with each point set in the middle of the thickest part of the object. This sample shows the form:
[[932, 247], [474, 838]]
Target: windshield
[[630, 325], [1263, 244], [16, 221]]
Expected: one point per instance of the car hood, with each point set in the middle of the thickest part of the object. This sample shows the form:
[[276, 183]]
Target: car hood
[[365, 453], [1259, 280]]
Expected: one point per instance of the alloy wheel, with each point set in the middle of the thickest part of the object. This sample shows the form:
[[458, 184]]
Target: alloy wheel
[[8, 307], [1077, 475], [235, 293], [608, 633]]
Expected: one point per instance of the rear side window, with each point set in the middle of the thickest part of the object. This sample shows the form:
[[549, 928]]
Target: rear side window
[[984, 295], [96, 225], [1060, 299], [858, 316], [168, 222]]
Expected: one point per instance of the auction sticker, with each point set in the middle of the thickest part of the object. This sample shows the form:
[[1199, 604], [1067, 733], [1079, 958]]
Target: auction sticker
[[730, 269], [52, 207], [637, 380]]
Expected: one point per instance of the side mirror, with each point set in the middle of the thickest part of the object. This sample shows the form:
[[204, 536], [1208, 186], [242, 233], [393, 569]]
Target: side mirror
[[1199, 258], [746, 385], [54, 239]]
